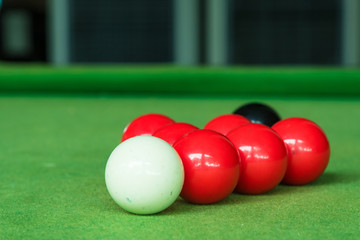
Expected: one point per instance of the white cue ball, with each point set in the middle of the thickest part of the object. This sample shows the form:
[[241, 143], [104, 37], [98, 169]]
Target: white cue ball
[[144, 175]]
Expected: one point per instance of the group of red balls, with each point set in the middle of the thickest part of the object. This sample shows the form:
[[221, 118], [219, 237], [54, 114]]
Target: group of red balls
[[232, 154]]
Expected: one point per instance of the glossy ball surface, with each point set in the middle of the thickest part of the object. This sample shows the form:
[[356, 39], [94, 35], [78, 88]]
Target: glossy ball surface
[[172, 132], [259, 113], [144, 175], [145, 125], [211, 166], [308, 150], [263, 158], [225, 123]]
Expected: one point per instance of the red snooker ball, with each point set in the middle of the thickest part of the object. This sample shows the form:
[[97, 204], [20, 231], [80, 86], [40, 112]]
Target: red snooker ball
[[225, 123], [145, 125], [172, 132], [308, 150], [211, 166], [263, 158]]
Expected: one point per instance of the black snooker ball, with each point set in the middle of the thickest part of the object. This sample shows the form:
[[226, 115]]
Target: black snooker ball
[[259, 113]]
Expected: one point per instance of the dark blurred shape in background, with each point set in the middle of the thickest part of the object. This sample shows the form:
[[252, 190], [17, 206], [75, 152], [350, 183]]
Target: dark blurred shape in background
[[121, 31], [23, 30], [183, 32], [286, 32]]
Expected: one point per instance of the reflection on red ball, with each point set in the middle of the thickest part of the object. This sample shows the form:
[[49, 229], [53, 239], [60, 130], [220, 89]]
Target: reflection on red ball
[[225, 123], [145, 125], [211, 166], [263, 158], [172, 132], [308, 150]]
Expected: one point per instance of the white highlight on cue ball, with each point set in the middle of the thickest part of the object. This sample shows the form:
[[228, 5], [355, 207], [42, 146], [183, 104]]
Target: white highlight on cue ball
[[144, 175]]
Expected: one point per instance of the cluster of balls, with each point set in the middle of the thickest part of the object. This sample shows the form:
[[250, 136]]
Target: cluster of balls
[[248, 152]]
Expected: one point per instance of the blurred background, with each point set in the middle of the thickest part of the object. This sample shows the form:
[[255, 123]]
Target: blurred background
[[181, 32]]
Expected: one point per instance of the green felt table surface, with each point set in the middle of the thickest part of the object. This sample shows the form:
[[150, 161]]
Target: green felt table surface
[[54, 147]]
